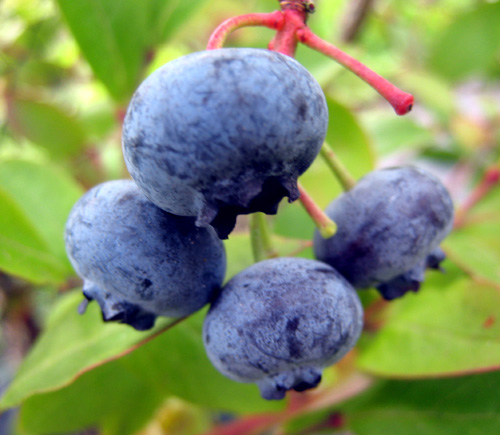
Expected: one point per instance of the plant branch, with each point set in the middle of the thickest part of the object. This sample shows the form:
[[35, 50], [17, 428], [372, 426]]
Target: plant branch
[[491, 179], [355, 17]]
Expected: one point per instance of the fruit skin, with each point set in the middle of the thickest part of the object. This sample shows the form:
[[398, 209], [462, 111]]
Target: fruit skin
[[219, 133], [139, 262], [389, 229], [279, 322]]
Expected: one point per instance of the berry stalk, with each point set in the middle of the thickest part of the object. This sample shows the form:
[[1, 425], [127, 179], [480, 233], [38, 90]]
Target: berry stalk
[[325, 225], [401, 101], [273, 20], [346, 180], [262, 245]]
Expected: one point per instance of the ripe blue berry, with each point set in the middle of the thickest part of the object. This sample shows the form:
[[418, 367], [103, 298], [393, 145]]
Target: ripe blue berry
[[389, 229], [139, 262], [219, 133], [279, 322]]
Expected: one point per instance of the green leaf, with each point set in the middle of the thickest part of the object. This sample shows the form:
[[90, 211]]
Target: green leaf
[[45, 194], [112, 36], [476, 246], [38, 37], [36, 201], [46, 125], [70, 345], [40, 73], [65, 371], [351, 144], [450, 327], [392, 134], [116, 37], [109, 397], [469, 45], [22, 251], [457, 406], [166, 17]]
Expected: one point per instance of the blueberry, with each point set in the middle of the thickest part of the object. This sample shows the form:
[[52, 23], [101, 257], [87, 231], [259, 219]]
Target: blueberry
[[138, 261], [389, 229], [219, 133], [279, 322]]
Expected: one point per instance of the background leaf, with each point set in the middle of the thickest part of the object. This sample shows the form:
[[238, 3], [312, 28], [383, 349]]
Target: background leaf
[[458, 406], [70, 345], [392, 134], [116, 37], [475, 246], [110, 397], [36, 201], [112, 38], [470, 44], [23, 252], [46, 125], [450, 327], [166, 17]]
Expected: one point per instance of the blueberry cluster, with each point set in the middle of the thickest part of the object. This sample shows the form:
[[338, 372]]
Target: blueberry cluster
[[220, 133]]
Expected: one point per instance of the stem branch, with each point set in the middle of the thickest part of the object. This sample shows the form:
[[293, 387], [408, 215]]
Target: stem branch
[[273, 20], [491, 178], [401, 101]]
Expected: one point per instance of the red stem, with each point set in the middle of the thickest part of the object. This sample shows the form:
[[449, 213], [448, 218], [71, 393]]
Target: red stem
[[285, 41], [490, 179], [290, 24], [273, 20], [325, 225], [402, 102]]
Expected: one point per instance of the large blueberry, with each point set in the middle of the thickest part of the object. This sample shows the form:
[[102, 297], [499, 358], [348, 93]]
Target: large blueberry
[[279, 322], [224, 132], [389, 229], [138, 261]]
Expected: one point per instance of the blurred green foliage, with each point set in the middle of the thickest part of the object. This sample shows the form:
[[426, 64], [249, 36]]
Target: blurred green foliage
[[67, 71]]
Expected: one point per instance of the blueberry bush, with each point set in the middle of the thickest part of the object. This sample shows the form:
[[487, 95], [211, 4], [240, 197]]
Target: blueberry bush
[[166, 266]]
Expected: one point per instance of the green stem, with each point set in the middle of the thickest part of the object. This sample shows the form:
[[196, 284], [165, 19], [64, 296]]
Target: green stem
[[325, 225], [260, 235], [337, 167]]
